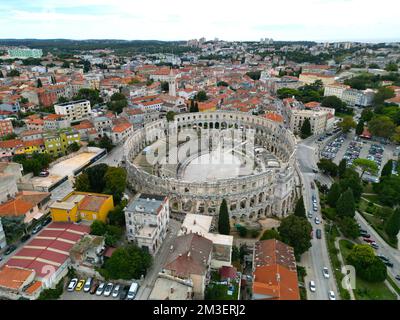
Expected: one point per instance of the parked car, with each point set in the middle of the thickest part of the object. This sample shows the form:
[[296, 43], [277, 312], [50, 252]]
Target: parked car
[[94, 287], [331, 295], [367, 235], [46, 221], [44, 173], [309, 214], [312, 286], [383, 258], [88, 285], [388, 263], [124, 293], [72, 285], [25, 237], [132, 291], [316, 220], [116, 290], [319, 234], [108, 289], [100, 289], [374, 245], [10, 249], [80, 285], [368, 240], [325, 272], [37, 228], [397, 277]]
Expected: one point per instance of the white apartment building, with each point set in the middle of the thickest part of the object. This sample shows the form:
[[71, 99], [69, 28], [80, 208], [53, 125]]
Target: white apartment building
[[147, 218], [353, 97], [318, 120], [74, 111], [10, 174], [3, 242]]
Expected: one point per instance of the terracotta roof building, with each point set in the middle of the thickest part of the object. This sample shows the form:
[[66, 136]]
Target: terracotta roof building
[[274, 271]]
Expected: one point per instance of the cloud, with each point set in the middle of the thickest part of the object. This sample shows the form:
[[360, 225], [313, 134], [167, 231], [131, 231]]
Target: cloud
[[181, 20]]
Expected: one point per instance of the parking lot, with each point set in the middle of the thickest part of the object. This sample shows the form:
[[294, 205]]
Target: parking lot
[[351, 147]]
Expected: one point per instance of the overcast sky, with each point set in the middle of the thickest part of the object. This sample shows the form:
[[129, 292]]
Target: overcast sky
[[318, 20]]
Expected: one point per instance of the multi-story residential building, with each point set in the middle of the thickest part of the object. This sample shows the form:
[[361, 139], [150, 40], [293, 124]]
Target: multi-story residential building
[[6, 127], [274, 271], [20, 53], [12, 106], [79, 206], [102, 124], [74, 111], [29, 205], [120, 131], [190, 259], [10, 173], [353, 97], [147, 218], [3, 242], [55, 122], [57, 143]]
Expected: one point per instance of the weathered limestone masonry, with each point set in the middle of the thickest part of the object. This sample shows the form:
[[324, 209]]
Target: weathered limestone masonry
[[269, 193]]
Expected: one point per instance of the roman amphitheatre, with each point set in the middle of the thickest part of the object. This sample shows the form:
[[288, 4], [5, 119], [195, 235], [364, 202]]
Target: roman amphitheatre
[[198, 159]]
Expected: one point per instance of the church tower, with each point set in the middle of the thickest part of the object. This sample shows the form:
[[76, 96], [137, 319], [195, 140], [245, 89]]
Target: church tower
[[172, 84]]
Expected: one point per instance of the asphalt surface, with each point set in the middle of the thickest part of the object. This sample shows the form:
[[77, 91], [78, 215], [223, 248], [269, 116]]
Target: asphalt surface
[[316, 258]]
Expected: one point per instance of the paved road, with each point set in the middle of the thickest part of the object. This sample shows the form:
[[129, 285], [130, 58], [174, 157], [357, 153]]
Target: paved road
[[317, 257], [158, 263]]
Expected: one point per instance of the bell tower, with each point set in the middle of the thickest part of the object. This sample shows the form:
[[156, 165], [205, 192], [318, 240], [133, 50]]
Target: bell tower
[[172, 84]]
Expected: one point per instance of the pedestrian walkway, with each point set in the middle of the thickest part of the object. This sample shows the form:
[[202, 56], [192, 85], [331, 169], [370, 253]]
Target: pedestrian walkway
[[337, 246]]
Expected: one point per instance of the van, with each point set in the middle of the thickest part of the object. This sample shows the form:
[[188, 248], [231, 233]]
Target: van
[[132, 291]]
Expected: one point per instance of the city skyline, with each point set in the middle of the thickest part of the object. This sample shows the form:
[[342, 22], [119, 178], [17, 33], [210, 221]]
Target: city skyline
[[133, 20]]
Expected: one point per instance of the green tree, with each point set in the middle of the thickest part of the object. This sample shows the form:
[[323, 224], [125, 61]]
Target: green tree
[[270, 234], [342, 168], [327, 166], [348, 226], [170, 116], [352, 180], [333, 195], [106, 143], [13, 73], [255, 75], [116, 217], [98, 228], [345, 206], [165, 86], [391, 66], [96, 177], [387, 169], [73, 147], [117, 102], [360, 127], [383, 94], [223, 220], [89, 94], [128, 262], [296, 232], [305, 130], [284, 93], [115, 182], [367, 265], [347, 124], [367, 114], [222, 84], [39, 83], [335, 103], [82, 183], [382, 126], [300, 210], [392, 225], [366, 165], [201, 96]]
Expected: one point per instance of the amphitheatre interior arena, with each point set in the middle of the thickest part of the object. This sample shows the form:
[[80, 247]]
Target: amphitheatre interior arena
[[199, 159]]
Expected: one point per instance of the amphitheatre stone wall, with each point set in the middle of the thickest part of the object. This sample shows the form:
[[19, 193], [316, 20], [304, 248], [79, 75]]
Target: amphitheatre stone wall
[[272, 192]]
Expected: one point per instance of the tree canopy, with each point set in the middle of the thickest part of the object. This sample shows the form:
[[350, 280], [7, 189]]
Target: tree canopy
[[345, 205], [366, 165], [223, 220], [347, 124], [305, 130]]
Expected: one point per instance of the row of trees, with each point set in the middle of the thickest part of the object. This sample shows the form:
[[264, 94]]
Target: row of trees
[[103, 179]]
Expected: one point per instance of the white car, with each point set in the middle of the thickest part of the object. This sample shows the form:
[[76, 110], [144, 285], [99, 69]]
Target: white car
[[100, 289], [325, 272], [108, 289], [317, 221], [115, 292], [88, 285], [72, 284], [331, 295], [312, 286]]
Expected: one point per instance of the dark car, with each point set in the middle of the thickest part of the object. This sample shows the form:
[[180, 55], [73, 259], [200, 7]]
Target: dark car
[[318, 233], [25, 237], [94, 287], [46, 221], [123, 293], [397, 277], [10, 249], [388, 263], [383, 258]]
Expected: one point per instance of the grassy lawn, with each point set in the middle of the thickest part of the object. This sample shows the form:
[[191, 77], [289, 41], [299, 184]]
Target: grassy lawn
[[372, 197], [377, 224], [336, 265], [366, 290], [394, 285], [216, 291]]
